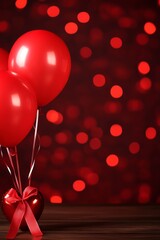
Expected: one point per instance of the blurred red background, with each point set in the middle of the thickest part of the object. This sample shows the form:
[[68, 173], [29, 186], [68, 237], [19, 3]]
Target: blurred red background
[[100, 138]]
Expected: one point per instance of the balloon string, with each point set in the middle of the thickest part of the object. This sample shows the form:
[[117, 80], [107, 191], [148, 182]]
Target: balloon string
[[8, 168], [18, 170], [33, 148], [13, 168], [33, 164], [1, 151]]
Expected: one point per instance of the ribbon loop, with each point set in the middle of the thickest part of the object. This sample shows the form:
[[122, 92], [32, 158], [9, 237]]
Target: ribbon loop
[[23, 210], [29, 192], [12, 196]]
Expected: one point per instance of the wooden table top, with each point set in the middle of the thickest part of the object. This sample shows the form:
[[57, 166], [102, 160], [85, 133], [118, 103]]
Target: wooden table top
[[94, 222]]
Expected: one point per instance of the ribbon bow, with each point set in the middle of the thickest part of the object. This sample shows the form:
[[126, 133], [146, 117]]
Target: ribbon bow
[[23, 210]]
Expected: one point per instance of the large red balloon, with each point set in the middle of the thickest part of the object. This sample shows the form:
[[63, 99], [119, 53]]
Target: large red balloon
[[3, 59], [18, 107], [43, 58]]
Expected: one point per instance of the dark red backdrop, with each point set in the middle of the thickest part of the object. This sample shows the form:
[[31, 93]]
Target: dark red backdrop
[[100, 138]]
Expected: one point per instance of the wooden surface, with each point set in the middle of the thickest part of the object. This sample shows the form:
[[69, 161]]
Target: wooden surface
[[95, 222]]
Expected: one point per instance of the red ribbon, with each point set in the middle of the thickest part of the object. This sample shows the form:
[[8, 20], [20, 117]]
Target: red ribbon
[[23, 210]]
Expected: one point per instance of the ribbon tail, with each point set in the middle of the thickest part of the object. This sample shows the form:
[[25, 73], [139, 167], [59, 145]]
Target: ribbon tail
[[16, 220], [32, 222]]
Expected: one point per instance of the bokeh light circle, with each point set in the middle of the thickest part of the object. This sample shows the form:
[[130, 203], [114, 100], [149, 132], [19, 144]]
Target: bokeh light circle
[[142, 39], [54, 116], [112, 160], [116, 42], [4, 25], [20, 4], [116, 130], [116, 91], [82, 137], [56, 199], [145, 83], [150, 133], [79, 185], [53, 11], [83, 17], [134, 147], [149, 28], [99, 80], [92, 178], [95, 143], [144, 193], [71, 27], [85, 52], [143, 67]]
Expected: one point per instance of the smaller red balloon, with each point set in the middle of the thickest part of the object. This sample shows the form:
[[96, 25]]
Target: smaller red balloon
[[3, 59], [18, 106]]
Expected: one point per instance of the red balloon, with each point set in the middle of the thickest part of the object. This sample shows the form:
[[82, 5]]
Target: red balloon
[[3, 59], [18, 107], [43, 58]]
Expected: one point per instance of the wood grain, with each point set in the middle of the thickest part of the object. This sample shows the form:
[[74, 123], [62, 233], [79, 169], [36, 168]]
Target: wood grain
[[95, 222]]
